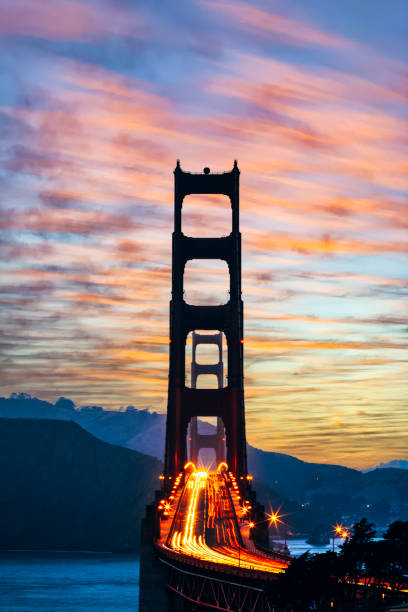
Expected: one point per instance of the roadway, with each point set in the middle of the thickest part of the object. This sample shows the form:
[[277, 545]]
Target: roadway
[[206, 520]]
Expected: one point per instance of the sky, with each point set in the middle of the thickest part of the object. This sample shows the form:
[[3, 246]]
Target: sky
[[98, 100]]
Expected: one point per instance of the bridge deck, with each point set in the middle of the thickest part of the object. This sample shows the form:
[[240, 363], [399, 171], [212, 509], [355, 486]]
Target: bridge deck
[[204, 525]]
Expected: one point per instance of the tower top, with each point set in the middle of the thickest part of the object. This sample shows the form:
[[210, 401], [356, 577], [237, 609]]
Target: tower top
[[206, 170], [187, 183]]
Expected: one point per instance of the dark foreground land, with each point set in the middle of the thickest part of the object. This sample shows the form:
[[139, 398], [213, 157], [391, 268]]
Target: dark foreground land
[[366, 575], [63, 489]]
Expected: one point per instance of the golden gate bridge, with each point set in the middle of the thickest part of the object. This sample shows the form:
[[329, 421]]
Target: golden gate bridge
[[205, 537]]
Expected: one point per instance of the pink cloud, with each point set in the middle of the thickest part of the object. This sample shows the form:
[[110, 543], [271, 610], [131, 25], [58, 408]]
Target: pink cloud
[[284, 29], [114, 140], [68, 20], [65, 221]]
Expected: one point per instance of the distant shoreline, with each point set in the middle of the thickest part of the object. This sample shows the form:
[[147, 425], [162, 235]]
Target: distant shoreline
[[66, 551]]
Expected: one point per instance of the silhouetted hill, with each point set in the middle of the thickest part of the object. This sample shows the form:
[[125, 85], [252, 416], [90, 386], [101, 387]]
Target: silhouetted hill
[[327, 494], [295, 478], [117, 427], [319, 491], [62, 488], [139, 430]]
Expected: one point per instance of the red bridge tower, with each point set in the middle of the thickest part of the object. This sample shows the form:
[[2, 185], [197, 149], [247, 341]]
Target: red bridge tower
[[226, 403]]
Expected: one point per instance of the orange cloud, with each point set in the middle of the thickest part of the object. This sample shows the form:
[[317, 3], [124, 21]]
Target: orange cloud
[[277, 344], [325, 245]]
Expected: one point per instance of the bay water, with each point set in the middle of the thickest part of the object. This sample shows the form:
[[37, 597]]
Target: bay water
[[68, 582], [78, 582]]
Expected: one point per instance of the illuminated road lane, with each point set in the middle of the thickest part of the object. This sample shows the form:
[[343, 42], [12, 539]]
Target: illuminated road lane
[[205, 526]]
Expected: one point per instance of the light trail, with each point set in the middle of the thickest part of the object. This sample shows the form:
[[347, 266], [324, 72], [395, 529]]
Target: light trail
[[205, 526]]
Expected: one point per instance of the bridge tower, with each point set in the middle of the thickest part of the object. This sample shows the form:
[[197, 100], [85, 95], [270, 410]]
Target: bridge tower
[[164, 583], [197, 440], [226, 403]]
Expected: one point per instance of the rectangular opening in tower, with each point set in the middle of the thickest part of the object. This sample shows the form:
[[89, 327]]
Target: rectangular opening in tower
[[206, 215], [209, 359], [206, 282], [207, 381]]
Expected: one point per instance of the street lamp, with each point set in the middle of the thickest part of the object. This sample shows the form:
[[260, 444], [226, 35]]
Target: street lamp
[[275, 518], [272, 521], [337, 531]]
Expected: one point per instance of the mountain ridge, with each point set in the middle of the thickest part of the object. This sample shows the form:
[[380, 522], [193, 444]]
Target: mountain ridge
[[69, 490], [96, 418], [331, 492]]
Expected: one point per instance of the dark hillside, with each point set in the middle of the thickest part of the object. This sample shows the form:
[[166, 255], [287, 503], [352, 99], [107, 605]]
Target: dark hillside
[[320, 493], [61, 488], [297, 479]]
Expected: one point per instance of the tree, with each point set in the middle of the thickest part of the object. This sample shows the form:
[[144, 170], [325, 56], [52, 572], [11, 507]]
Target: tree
[[355, 579], [355, 553], [309, 583], [355, 549], [396, 552]]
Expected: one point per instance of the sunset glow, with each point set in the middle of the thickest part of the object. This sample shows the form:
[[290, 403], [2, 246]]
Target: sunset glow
[[100, 98]]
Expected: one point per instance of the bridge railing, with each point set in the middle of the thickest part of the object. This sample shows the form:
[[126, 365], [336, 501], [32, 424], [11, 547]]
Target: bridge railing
[[274, 554], [211, 566]]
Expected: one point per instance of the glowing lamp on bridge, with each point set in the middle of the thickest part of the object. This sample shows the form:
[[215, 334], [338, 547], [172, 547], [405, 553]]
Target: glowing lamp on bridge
[[250, 477], [275, 518], [251, 525], [161, 477]]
